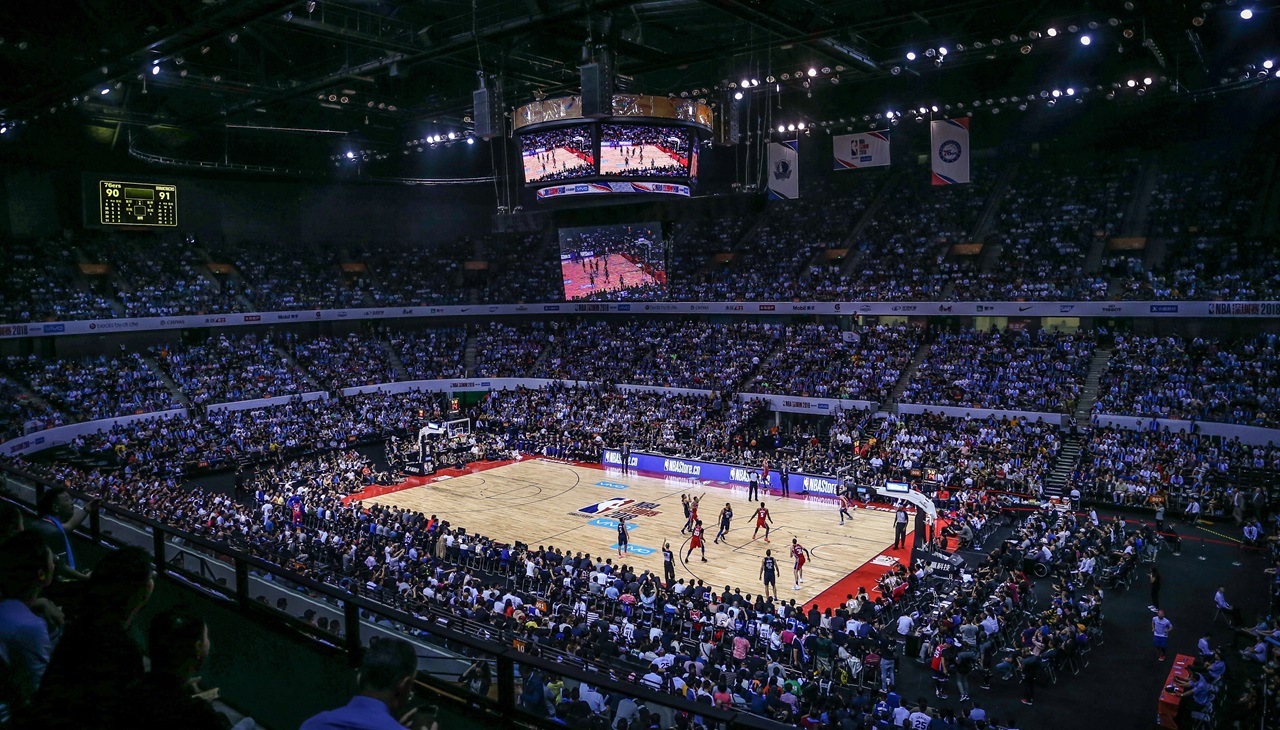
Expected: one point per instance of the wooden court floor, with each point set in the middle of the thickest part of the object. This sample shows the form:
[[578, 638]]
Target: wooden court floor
[[549, 503]]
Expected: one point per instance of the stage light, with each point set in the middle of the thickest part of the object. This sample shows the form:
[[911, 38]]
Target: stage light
[[453, 135], [1147, 81], [924, 110], [942, 50], [737, 95], [233, 37], [800, 125], [935, 107], [911, 55], [1085, 40], [1056, 93], [1267, 64], [782, 127], [895, 70], [1246, 14], [471, 140], [791, 127], [351, 155], [1052, 32], [1131, 83], [1026, 49], [105, 92], [155, 70], [888, 115], [745, 83], [1071, 91], [755, 82], [813, 72]]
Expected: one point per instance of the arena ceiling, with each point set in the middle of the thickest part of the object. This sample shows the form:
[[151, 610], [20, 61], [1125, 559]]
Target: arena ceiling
[[193, 73]]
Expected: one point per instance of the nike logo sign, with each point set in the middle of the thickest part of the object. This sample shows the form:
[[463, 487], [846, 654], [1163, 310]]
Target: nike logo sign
[[466, 309], [1020, 309]]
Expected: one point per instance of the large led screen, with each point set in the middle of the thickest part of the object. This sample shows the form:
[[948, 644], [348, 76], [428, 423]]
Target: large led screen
[[558, 154], [644, 150], [613, 262]]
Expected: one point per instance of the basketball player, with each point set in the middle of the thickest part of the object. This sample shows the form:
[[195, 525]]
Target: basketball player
[[726, 515], [622, 535], [800, 553], [684, 502], [669, 565], [695, 542], [693, 512], [762, 520], [845, 503], [769, 573], [764, 473]]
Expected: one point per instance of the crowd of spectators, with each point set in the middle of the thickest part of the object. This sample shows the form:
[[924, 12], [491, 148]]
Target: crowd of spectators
[[1160, 466], [1210, 268], [40, 281], [282, 277], [1052, 212], [703, 355], [343, 362], [408, 276], [509, 351], [433, 353], [818, 361], [18, 408], [92, 388], [1198, 379], [229, 368], [161, 277], [1032, 371]]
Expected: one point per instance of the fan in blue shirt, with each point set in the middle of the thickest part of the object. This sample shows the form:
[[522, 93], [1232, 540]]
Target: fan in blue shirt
[[386, 687]]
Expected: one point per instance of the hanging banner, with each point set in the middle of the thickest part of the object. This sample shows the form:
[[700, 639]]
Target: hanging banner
[[869, 149], [950, 143], [784, 170]]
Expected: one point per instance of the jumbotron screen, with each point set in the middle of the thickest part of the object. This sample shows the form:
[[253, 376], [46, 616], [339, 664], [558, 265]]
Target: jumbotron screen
[[558, 154], [644, 150], [612, 262]]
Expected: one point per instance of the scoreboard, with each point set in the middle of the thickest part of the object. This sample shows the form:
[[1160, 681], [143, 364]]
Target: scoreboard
[[137, 204]]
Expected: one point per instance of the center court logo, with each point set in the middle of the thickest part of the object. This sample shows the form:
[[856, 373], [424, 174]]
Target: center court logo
[[607, 505]]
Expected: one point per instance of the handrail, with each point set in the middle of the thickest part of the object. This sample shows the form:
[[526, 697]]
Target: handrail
[[507, 656]]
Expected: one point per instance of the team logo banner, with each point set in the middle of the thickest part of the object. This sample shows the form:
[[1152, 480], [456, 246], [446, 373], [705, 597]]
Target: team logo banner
[[784, 170], [950, 142], [870, 149]]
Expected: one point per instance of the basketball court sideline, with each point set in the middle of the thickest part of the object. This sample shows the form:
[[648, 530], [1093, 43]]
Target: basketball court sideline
[[543, 502]]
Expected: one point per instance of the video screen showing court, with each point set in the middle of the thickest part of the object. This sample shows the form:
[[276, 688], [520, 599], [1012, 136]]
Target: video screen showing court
[[644, 150], [613, 262], [558, 154]]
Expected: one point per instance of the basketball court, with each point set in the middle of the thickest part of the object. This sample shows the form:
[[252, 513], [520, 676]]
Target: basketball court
[[623, 274], [614, 162], [543, 502]]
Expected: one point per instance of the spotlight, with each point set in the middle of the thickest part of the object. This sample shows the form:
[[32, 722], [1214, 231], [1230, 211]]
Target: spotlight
[[935, 107], [1071, 91], [800, 125], [1147, 81], [1267, 64], [942, 50], [104, 92], [155, 70], [1056, 93], [311, 6], [1085, 40], [745, 83], [911, 55], [453, 135], [813, 72], [923, 110], [737, 95], [888, 115], [1197, 21], [233, 37], [351, 155], [1026, 49], [782, 127], [791, 127], [755, 82], [895, 70], [1131, 83], [1052, 32], [1246, 14], [471, 140], [769, 79]]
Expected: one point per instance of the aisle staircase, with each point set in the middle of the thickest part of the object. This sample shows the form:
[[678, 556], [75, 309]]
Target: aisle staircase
[[890, 404], [1057, 484], [469, 353], [854, 256], [1089, 394], [312, 383], [174, 389], [393, 357]]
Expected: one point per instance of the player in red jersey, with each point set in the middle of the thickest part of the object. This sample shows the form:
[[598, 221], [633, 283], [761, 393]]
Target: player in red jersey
[[762, 520], [695, 542], [800, 553]]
